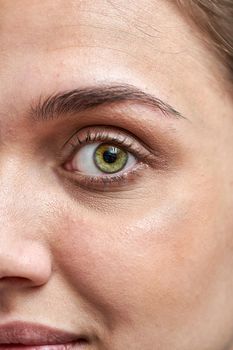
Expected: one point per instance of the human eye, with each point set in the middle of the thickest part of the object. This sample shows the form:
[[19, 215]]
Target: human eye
[[105, 158]]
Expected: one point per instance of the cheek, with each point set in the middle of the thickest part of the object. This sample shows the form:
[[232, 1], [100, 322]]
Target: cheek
[[161, 267]]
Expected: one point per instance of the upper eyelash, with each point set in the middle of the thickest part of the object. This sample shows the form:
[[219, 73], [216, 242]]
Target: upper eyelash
[[126, 142], [98, 137]]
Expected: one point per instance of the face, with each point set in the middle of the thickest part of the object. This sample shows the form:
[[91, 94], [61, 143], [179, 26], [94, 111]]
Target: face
[[116, 176]]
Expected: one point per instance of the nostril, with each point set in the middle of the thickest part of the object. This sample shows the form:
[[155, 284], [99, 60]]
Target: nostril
[[83, 341], [13, 279], [16, 281]]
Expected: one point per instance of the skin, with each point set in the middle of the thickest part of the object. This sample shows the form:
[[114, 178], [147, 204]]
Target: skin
[[148, 264]]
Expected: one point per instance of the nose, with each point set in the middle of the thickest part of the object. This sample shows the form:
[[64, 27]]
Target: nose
[[25, 258], [23, 263]]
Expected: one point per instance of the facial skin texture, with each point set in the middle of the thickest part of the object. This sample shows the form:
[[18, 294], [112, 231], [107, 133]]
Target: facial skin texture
[[147, 264]]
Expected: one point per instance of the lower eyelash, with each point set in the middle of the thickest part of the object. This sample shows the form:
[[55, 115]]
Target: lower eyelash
[[106, 182]]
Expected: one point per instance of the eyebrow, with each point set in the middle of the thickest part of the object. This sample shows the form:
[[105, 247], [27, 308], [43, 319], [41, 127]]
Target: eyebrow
[[82, 99]]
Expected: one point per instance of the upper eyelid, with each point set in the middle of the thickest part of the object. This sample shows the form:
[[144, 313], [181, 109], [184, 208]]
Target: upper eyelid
[[127, 142], [118, 136], [118, 131]]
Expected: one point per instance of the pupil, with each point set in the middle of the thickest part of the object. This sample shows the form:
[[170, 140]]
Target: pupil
[[110, 156]]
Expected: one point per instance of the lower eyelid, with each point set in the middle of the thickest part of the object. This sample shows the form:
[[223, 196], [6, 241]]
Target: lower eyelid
[[112, 182]]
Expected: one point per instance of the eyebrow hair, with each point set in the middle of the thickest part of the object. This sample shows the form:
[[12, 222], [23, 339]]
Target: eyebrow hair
[[82, 99]]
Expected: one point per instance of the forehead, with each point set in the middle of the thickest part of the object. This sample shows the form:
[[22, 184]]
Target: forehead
[[31, 20], [122, 26]]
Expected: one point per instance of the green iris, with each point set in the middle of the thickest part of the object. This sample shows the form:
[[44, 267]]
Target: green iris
[[110, 159]]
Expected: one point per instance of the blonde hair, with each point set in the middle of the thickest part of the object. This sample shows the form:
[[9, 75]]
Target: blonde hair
[[215, 19]]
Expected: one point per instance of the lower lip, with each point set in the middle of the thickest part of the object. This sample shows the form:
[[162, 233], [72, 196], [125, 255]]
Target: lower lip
[[79, 345]]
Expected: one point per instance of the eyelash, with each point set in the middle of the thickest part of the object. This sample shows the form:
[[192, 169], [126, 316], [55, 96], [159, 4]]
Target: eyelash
[[116, 137]]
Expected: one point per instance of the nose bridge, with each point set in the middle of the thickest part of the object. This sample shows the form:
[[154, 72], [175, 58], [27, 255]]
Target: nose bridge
[[23, 253], [18, 190], [16, 205]]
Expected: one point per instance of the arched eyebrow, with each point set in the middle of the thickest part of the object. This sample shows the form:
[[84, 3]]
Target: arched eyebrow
[[82, 99]]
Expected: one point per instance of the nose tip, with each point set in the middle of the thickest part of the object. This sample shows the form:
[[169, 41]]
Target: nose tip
[[27, 264]]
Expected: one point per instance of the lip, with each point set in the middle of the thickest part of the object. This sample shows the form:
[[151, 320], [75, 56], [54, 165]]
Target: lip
[[22, 334]]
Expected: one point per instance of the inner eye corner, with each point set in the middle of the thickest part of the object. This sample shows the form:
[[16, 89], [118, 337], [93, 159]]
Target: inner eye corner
[[83, 341]]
